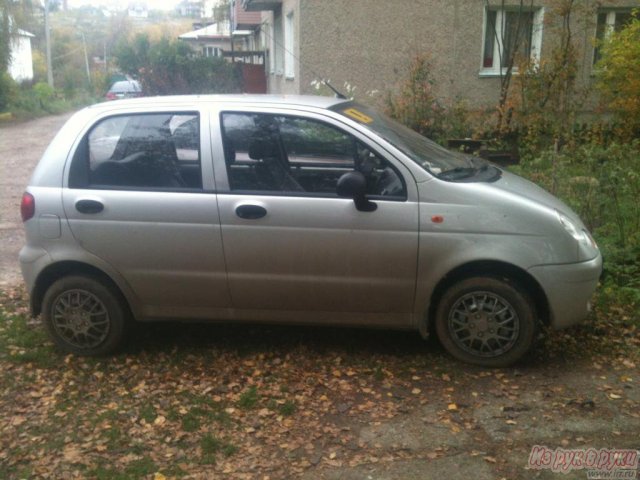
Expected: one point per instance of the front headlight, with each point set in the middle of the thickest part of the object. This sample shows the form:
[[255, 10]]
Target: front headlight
[[590, 239], [569, 226], [587, 246]]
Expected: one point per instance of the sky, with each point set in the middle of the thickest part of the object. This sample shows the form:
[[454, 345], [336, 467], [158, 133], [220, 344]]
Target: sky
[[152, 4]]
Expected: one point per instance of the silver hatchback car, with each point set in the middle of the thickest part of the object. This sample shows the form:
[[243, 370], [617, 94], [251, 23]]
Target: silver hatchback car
[[292, 209]]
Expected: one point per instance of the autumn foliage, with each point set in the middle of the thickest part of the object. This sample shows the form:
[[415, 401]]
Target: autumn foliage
[[618, 73]]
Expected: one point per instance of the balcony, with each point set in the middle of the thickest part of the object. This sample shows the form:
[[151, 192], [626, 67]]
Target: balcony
[[260, 5]]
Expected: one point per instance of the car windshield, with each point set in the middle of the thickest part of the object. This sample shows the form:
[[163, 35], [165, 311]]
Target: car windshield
[[434, 158]]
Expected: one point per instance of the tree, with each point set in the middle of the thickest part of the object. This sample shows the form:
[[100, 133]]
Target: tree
[[169, 67], [546, 98], [510, 42], [618, 73], [12, 14], [416, 104]]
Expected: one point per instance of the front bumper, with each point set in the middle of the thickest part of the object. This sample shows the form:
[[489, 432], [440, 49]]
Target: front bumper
[[568, 288]]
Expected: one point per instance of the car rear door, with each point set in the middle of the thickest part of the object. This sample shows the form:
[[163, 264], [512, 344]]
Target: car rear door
[[138, 196], [291, 244]]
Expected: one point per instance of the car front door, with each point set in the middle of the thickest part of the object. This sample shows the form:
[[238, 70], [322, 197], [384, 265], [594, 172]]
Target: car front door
[[139, 197], [291, 244]]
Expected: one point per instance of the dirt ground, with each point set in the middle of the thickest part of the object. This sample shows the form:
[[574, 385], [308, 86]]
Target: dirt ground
[[21, 146], [276, 402]]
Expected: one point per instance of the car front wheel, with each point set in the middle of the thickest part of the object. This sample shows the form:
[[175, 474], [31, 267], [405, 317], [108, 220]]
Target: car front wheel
[[84, 316], [486, 321]]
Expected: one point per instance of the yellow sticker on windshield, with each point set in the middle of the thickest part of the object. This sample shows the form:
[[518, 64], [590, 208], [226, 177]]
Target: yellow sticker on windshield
[[358, 115]]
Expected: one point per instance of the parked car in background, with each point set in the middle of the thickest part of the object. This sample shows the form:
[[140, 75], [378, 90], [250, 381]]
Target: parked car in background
[[124, 89], [292, 209]]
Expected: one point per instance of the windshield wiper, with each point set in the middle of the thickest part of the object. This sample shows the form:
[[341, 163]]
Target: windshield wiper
[[464, 172], [458, 173]]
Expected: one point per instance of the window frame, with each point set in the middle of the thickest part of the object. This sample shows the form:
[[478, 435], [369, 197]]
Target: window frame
[[289, 45], [272, 46], [324, 120], [609, 27], [537, 28], [79, 163], [211, 51], [278, 53]]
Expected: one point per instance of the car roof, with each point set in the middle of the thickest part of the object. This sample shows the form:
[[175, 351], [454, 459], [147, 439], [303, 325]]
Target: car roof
[[181, 101]]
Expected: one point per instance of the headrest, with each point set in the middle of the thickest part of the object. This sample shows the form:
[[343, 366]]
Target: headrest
[[261, 148]]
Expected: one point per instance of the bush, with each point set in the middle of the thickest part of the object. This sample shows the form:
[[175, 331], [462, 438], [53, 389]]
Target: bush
[[30, 102], [44, 93], [169, 67], [416, 104], [602, 184], [618, 73], [7, 91]]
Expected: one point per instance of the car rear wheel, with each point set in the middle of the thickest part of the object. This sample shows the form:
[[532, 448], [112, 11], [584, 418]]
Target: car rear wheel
[[84, 316], [486, 321]]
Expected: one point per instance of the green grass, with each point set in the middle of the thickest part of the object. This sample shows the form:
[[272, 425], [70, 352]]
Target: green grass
[[133, 471], [191, 421], [148, 413], [249, 398], [212, 445], [23, 343], [202, 410], [288, 408]]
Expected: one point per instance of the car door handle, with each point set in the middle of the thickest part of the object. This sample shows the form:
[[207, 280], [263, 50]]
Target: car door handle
[[89, 206], [251, 212]]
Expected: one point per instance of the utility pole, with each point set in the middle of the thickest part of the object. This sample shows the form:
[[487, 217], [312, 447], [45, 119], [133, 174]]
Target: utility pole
[[47, 37], [86, 59]]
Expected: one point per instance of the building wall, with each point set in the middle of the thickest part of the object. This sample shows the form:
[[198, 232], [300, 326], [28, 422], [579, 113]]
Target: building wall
[[369, 44], [277, 81], [21, 67]]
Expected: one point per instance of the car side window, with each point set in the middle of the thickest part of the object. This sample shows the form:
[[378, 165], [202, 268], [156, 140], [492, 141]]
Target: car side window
[[277, 153], [141, 151]]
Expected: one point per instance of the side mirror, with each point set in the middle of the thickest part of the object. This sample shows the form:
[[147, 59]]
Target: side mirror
[[354, 185]]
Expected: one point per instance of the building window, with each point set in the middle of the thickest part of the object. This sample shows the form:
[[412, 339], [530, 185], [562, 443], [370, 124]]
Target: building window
[[209, 51], [609, 22], [289, 57], [510, 35], [278, 44], [271, 39]]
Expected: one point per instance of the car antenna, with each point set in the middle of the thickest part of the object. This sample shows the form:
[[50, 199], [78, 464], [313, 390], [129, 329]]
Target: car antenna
[[335, 90]]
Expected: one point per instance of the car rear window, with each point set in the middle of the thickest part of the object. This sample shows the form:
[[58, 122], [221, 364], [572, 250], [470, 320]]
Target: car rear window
[[126, 87], [141, 151]]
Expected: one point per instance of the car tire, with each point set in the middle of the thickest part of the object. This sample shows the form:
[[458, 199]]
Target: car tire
[[85, 316], [486, 321]]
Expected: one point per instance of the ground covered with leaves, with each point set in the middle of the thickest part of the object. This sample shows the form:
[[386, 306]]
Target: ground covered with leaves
[[194, 401]]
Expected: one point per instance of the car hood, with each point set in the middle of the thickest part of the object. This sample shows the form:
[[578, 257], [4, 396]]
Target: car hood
[[516, 185]]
